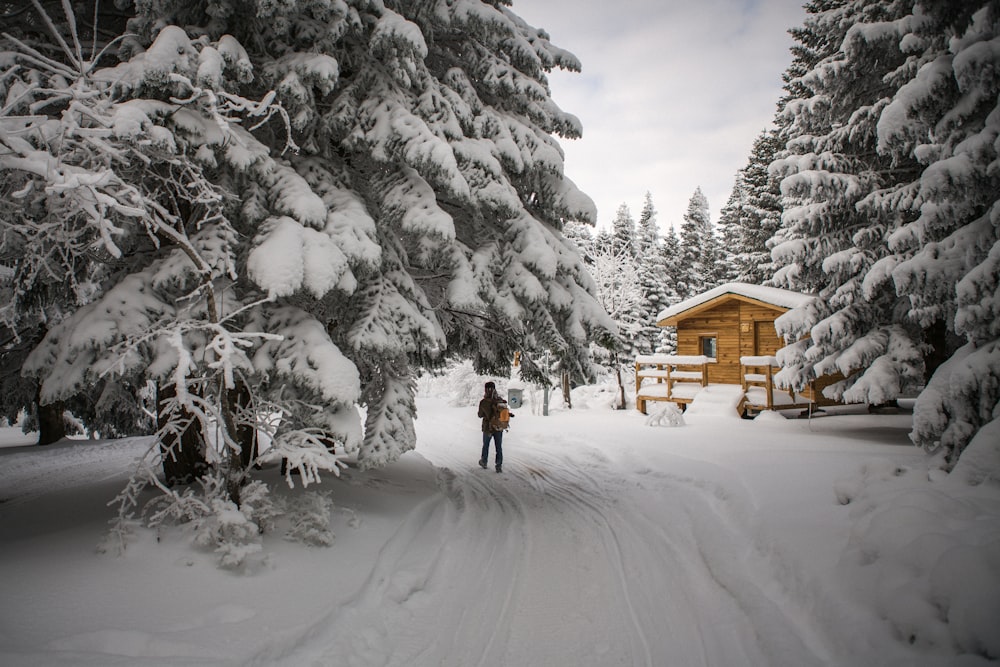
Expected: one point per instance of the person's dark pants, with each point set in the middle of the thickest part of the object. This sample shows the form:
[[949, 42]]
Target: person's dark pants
[[498, 439]]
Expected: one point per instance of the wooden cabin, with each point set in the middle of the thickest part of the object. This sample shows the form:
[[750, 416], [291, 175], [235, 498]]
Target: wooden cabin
[[729, 322], [731, 329]]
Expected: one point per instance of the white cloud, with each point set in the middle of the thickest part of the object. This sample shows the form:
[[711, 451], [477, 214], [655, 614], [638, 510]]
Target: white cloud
[[672, 94]]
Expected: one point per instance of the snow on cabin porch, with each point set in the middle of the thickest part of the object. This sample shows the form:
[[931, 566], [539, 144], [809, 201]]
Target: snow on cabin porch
[[683, 380]]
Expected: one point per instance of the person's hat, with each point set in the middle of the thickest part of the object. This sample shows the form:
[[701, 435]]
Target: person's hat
[[490, 385]]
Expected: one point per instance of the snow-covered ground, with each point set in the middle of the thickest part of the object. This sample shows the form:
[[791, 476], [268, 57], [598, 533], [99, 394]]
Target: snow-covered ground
[[605, 541]]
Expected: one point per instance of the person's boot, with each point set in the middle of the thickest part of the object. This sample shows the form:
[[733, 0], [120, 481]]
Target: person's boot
[[482, 463], [499, 468]]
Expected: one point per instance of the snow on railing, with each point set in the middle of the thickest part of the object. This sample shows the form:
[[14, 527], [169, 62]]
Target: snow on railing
[[759, 361], [673, 359]]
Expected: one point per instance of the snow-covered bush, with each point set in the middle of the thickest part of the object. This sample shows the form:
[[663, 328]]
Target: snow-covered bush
[[232, 531], [229, 532], [309, 514]]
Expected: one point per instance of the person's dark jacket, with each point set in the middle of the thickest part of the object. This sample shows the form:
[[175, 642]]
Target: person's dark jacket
[[488, 408]]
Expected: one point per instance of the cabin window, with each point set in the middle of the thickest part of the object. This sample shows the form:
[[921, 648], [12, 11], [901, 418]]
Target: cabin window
[[708, 347]]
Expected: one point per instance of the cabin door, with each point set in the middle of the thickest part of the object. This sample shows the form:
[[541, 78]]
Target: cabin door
[[765, 338]]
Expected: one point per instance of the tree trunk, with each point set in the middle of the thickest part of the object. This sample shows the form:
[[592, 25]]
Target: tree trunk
[[51, 425], [183, 457], [621, 387], [943, 344], [238, 401], [567, 398]]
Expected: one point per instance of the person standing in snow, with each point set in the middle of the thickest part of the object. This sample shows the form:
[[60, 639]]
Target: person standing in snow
[[489, 407]]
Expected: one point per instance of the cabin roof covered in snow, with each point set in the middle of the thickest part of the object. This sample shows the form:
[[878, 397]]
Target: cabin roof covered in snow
[[772, 296]]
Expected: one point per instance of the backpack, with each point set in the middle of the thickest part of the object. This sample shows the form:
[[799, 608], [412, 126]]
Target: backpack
[[501, 422]]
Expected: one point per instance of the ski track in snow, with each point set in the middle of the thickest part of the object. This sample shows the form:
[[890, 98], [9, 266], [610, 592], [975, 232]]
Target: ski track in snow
[[565, 554], [66, 461]]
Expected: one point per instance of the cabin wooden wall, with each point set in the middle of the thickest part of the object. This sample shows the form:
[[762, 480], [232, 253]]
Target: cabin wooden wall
[[740, 328]]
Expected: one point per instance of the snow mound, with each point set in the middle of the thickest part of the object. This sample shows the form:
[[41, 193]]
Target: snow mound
[[716, 401], [667, 415], [925, 554], [769, 417], [980, 461]]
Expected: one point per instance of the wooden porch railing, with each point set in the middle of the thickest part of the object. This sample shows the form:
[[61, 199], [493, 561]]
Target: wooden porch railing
[[666, 371]]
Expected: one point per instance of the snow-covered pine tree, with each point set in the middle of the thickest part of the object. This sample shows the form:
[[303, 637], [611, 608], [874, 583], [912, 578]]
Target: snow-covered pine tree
[[26, 308], [653, 276], [946, 261], [700, 249], [115, 192], [891, 205], [729, 228], [673, 285], [647, 232], [831, 233], [603, 237], [690, 277], [623, 230], [716, 261], [419, 218], [753, 214]]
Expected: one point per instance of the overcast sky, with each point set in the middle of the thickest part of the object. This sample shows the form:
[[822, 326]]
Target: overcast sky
[[672, 94]]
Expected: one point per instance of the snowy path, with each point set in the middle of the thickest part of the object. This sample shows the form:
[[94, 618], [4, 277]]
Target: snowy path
[[604, 542], [562, 560]]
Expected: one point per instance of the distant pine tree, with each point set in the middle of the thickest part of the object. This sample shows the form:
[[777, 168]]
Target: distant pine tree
[[653, 276], [673, 286], [623, 230], [753, 214], [699, 250], [729, 228]]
